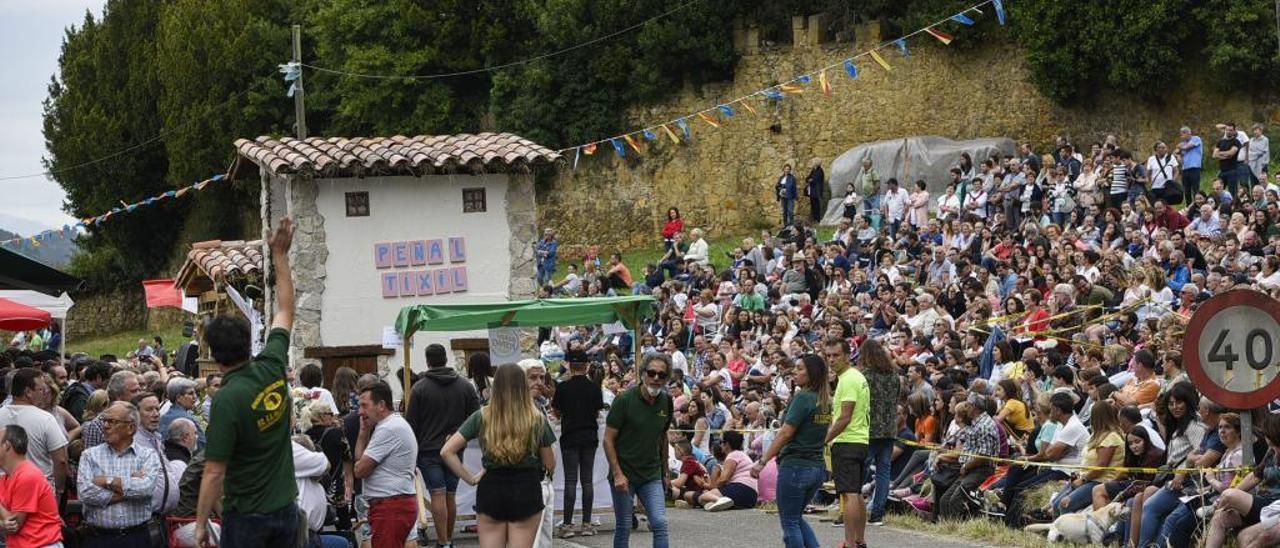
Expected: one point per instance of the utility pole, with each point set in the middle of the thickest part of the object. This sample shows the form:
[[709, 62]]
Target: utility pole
[[299, 103]]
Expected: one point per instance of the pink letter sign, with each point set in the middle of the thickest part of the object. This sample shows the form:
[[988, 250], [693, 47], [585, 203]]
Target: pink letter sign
[[457, 250], [408, 285], [401, 252], [382, 255], [435, 251], [390, 284], [418, 252], [423, 278], [444, 280], [459, 278]]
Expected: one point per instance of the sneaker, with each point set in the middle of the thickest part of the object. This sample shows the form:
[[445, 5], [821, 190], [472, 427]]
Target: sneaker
[[839, 522], [587, 530], [721, 504], [566, 531], [642, 523], [877, 521]]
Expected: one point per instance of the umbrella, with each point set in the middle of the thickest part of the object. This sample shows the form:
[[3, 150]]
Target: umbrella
[[20, 317]]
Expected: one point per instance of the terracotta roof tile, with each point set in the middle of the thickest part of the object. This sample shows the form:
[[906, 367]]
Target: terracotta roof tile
[[221, 260], [356, 156]]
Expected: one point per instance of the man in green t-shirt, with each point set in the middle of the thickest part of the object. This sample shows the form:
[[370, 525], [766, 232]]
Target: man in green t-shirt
[[635, 443], [248, 451], [848, 436]]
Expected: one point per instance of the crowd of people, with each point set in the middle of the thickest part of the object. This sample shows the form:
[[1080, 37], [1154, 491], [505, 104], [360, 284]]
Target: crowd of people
[[1008, 350]]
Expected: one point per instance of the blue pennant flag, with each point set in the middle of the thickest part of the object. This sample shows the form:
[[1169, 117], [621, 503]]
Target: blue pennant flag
[[617, 146], [773, 94], [291, 71], [170, 194], [726, 110], [902, 45], [650, 135], [684, 126], [999, 10], [850, 68], [962, 19], [806, 79]]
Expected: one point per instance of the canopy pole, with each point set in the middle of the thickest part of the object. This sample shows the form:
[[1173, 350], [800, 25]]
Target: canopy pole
[[404, 349], [62, 342]]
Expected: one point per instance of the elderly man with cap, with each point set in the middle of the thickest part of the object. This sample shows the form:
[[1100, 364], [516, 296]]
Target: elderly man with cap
[[578, 402]]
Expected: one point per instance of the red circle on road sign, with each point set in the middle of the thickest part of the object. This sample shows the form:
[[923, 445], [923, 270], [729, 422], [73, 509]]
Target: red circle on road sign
[[1191, 351]]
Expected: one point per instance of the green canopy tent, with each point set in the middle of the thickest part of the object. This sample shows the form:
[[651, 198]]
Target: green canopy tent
[[629, 310]]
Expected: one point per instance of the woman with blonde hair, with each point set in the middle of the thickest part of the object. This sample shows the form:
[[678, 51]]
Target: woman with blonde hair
[[1102, 454], [98, 401], [515, 442]]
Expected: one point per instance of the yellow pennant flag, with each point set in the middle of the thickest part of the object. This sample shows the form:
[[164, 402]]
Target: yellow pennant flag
[[791, 88], [708, 119], [822, 81], [747, 105], [880, 60], [631, 142], [666, 129]]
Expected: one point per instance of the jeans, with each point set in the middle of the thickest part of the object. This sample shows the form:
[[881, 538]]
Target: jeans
[[878, 455], [788, 211], [1018, 480], [1190, 184], [1179, 527], [578, 462], [796, 487], [654, 501], [437, 477], [914, 465], [1230, 180], [1079, 498], [279, 528], [329, 541], [1154, 512], [1061, 219]]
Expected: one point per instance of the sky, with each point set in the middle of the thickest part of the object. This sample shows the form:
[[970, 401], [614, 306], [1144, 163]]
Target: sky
[[31, 33]]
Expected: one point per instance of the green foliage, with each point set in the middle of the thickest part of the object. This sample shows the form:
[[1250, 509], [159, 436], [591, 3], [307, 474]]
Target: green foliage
[[1240, 41]]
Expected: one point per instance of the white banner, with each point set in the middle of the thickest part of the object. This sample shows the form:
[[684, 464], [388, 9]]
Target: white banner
[[504, 345]]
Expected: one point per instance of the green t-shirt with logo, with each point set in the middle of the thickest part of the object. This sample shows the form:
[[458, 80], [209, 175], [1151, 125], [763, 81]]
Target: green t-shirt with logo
[[642, 438], [811, 423], [249, 431], [474, 425], [852, 386]]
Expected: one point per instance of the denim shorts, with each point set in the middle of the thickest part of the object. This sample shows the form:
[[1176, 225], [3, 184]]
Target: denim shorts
[[436, 476]]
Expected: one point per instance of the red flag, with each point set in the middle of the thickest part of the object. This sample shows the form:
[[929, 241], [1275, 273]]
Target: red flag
[[162, 293], [688, 313]]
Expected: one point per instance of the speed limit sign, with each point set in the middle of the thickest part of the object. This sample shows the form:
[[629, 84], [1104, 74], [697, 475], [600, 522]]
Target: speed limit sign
[[1232, 349]]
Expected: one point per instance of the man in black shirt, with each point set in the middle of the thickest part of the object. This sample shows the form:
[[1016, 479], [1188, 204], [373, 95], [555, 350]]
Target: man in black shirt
[[578, 401], [1227, 152], [438, 404]]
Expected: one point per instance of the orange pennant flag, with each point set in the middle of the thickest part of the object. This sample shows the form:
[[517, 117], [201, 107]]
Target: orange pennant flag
[[822, 81], [747, 105], [666, 129], [631, 142], [708, 119], [880, 60], [791, 88], [941, 36]]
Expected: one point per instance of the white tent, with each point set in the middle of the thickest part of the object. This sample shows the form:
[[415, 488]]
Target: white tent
[[55, 306]]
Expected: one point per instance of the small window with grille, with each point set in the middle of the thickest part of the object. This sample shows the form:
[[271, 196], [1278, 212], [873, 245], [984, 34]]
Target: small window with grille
[[357, 204], [473, 200]]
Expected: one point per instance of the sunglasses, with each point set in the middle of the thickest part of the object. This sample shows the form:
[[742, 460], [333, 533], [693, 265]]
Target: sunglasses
[[655, 374]]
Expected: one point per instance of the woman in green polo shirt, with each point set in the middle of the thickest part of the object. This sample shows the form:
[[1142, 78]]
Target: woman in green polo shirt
[[515, 442], [798, 447]]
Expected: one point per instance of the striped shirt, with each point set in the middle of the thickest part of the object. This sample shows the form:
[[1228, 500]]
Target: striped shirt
[[93, 433], [137, 468], [1119, 178]]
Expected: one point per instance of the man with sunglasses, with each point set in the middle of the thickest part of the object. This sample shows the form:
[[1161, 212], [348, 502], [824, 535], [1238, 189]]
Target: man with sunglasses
[[635, 443]]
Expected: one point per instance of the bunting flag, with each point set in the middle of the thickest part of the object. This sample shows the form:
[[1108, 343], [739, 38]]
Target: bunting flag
[[671, 134], [711, 115], [632, 142], [576, 155], [941, 36], [850, 68], [880, 60]]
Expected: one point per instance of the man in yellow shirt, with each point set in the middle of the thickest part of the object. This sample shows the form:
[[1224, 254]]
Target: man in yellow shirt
[[848, 437]]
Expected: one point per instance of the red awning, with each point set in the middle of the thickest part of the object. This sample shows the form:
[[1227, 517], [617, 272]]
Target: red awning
[[20, 317]]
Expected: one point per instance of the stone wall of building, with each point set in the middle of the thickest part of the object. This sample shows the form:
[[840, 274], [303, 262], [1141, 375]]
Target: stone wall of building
[[522, 216], [723, 180], [307, 258]]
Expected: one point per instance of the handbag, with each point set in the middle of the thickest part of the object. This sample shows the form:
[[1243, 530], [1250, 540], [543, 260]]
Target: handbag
[[157, 528]]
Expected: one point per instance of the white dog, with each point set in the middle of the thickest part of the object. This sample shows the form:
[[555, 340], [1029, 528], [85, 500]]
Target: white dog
[[1081, 527]]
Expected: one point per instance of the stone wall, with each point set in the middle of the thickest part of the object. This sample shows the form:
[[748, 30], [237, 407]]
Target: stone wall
[[108, 313], [307, 258], [521, 217], [723, 180]]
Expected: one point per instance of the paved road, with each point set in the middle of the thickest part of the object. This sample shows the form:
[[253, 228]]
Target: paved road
[[747, 528]]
